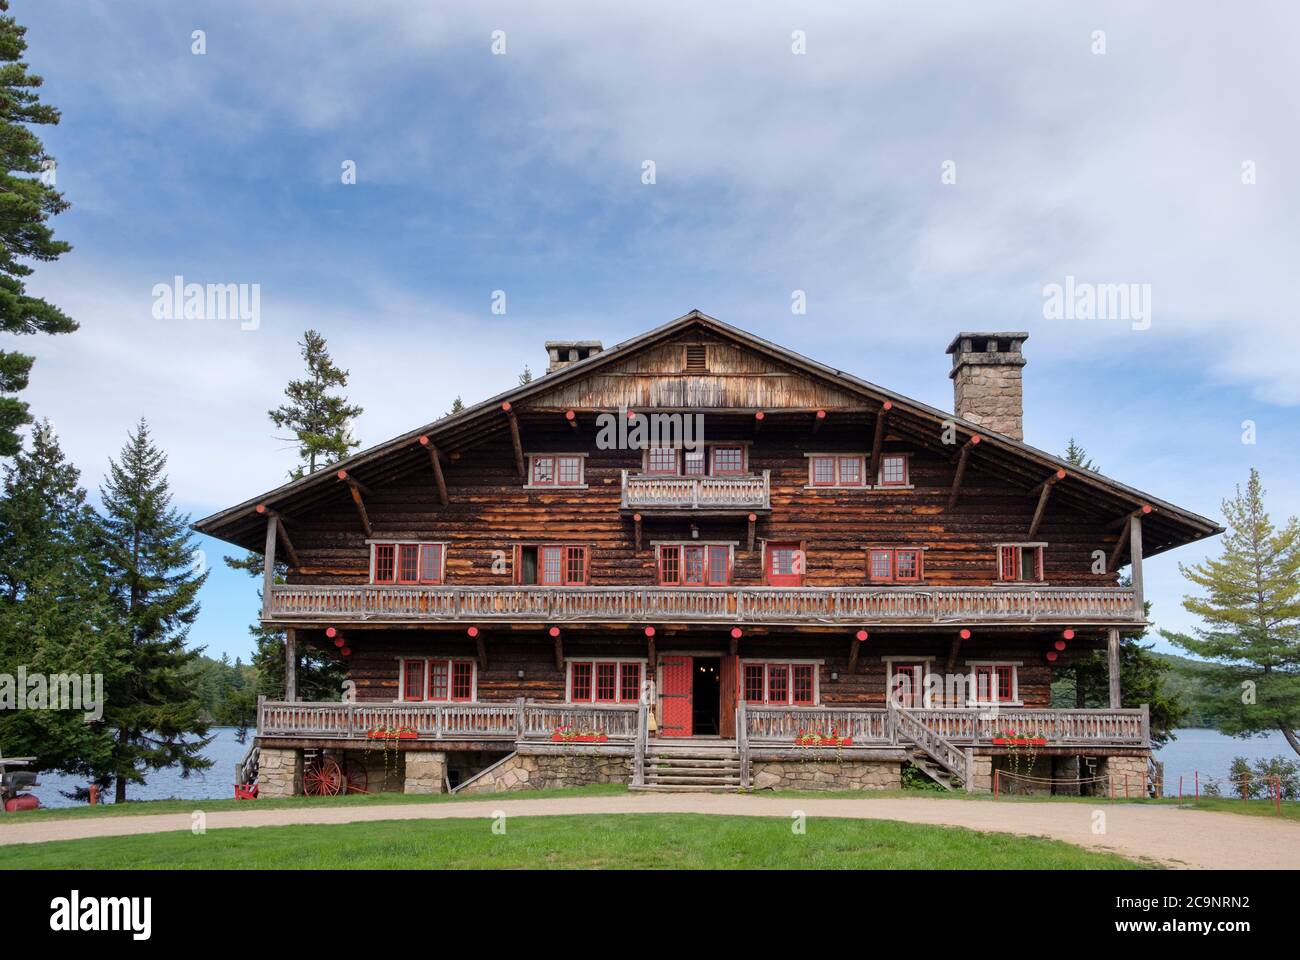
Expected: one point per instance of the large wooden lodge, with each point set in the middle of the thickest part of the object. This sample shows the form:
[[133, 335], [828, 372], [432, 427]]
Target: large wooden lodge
[[568, 584]]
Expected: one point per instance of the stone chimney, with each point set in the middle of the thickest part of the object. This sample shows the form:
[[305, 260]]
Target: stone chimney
[[987, 385], [564, 352]]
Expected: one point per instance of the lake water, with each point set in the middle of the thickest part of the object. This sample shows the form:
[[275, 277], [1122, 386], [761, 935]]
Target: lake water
[[1206, 751]]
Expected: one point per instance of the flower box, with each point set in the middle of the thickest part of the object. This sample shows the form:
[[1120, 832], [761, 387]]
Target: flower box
[[558, 737], [405, 734], [1019, 741]]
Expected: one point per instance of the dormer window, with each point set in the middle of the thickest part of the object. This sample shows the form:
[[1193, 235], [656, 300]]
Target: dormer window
[[893, 470], [837, 470], [556, 470]]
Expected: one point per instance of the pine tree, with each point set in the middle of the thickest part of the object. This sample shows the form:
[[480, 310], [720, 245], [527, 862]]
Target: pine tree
[[156, 707], [526, 376], [1251, 614], [1078, 456], [457, 406], [320, 421], [56, 616], [27, 202]]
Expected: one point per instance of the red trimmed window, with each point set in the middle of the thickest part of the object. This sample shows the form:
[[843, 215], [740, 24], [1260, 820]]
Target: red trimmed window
[[699, 566], [408, 562], [1020, 564], [995, 683], [780, 683], [907, 684], [556, 470], [783, 565], [893, 470], [558, 566], [661, 460], [894, 564], [827, 470], [695, 463], [728, 460], [604, 681], [442, 679]]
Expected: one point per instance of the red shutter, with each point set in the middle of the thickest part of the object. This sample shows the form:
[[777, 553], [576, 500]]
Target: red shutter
[[1010, 563], [413, 686]]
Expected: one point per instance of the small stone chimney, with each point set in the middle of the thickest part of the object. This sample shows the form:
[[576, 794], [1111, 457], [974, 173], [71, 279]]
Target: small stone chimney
[[564, 352], [987, 384]]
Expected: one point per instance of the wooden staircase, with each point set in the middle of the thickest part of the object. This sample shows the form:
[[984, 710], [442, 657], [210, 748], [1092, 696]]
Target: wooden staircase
[[691, 765], [937, 758]]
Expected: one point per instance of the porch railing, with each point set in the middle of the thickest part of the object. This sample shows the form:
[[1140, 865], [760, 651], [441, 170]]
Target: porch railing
[[510, 721], [653, 604], [745, 492]]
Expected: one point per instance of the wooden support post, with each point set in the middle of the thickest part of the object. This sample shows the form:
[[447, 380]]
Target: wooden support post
[[855, 650], [650, 653], [1135, 559], [961, 468], [881, 416], [753, 524], [954, 650], [1046, 491], [636, 525], [268, 568], [291, 665], [514, 437], [289, 551], [1113, 563], [818, 419], [759, 417], [559, 649], [480, 646], [1112, 667], [436, 462], [571, 417], [355, 489]]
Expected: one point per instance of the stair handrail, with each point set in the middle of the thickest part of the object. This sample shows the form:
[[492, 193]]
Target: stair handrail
[[742, 742], [642, 741], [946, 754]]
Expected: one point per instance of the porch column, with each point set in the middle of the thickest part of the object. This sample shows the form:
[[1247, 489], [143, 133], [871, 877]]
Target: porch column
[[291, 665], [268, 566], [1135, 557], [1112, 667]]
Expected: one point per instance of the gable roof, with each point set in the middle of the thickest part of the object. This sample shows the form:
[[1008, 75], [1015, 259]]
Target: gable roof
[[1166, 527]]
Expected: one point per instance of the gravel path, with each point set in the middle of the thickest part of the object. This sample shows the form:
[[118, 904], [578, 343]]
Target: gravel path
[[1163, 834]]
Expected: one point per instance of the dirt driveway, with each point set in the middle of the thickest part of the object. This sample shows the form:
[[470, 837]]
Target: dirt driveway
[[1164, 834]]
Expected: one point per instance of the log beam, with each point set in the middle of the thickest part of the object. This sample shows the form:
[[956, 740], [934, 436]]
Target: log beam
[[759, 417], [436, 462], [571, 418], [1135, 559], [268, 568], [1120, 522], [290, 665], [1045, 492], [636, 526], [962, 458], [882, 415], [753, 526], [514, 436], [1112, 668], [954, 649], [1113, 563], [559, 649], [480, 646], [355, 490], [855, 650], [282, 533], [818, 419]]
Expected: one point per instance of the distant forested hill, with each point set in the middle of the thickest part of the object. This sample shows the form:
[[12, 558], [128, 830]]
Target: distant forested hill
[[1189, 681], [228, 691]]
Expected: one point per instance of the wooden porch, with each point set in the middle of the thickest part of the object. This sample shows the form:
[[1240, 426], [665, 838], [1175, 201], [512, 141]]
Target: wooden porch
[[779, 606], [650, 493]]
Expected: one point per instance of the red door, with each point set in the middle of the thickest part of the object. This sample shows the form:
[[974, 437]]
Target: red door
[[783, 565], [907, 686], [730, 683], [679, 677]]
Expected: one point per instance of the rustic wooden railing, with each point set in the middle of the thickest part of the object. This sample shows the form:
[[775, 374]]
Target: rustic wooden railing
[[744, 492], [909, 728], [778, 605], [966, 725], [511, 721]]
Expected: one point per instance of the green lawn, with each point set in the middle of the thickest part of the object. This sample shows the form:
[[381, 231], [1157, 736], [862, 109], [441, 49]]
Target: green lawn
[[630, 841]]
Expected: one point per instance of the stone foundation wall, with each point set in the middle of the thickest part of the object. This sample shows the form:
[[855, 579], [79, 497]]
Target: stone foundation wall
[[825, 774], [1127, 776], [425, 771], [550, 771], [279, 772]]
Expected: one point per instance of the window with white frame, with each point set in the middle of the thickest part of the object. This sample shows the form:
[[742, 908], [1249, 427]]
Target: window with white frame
[[407, 562], [556, 470], [837, 469], [893, 470], [779, 682], [713, 460], [438, 679], [994, 683], [605, 681]]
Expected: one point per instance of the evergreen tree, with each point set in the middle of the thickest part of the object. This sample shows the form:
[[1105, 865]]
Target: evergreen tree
[[55, 613], [1251, 614], [319, 419], [155, 708], [27, 202], [526, 376], [457, 406], [1078, 456]]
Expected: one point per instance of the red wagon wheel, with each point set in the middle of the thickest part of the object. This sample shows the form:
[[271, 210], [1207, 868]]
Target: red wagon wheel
[[322, 778], [355, 775]]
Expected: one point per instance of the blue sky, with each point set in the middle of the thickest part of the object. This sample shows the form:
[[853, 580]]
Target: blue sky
[[775, 172]]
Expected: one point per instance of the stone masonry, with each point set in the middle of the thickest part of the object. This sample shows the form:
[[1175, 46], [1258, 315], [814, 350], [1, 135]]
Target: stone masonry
[[825, 774], [425, 771], [987, 380], [552, 770], [279, 772]]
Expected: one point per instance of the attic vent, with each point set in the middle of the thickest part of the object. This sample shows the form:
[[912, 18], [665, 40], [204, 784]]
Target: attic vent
[[696, 358]]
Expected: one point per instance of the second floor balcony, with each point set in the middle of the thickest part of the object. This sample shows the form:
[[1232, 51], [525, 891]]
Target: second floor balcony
[[850, 606], [653, 493]]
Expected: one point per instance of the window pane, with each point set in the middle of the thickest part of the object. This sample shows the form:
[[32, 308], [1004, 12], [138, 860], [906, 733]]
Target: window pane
[[778, 683], [803, 683], [581, 682], [630, 682], [893, 470], [575, 565], [907, 563], [823, 470], [754, 682], [408, 562], [1004, 682], [728, 459], [431, 562], [783, 560], [718, 557], [693, 463], [606, 681], [669, 571], [663, 459], [1010, 563], [543, 470], [694, 572], [414, 686], [570, 469], [384, 563], [850, 471], [983, 684], [437, 679], [552, 566], [880, 565], [462, 680]]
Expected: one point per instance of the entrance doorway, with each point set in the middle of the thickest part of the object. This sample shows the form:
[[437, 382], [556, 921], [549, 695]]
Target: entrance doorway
[[706, 690]]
